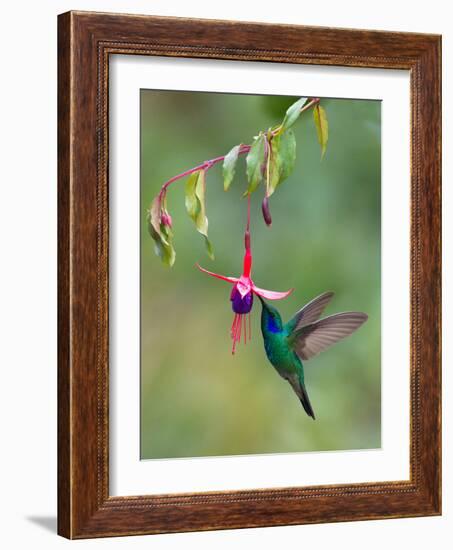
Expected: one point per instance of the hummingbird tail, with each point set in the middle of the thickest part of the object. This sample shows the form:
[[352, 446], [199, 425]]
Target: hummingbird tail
[[297, 383], [306, 401]]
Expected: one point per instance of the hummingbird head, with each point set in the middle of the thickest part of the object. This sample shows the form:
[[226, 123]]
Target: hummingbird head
[[271, 320]]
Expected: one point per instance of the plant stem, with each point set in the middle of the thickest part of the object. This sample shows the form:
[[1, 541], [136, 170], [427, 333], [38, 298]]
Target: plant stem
[[247, 239], [310, 104], [207, 164]]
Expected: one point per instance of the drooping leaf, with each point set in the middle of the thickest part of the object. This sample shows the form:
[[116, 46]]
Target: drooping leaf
[[155, 213], [293, 112], [169, 252], [322, 127], [209, 248], [229, 165], [282, 159], [201, 221], [287, 151], [192, 202], [163, 240], [273, 168], [255, 159], [196, 206]]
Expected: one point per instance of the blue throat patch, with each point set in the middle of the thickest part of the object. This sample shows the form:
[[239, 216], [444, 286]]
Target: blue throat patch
[[272, 325]]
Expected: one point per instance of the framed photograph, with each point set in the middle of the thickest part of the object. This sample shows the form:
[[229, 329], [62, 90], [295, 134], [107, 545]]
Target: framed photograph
[[249, 275]]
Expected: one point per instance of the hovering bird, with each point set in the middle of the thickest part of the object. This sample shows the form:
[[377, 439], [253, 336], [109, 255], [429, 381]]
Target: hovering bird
[[303, 337]]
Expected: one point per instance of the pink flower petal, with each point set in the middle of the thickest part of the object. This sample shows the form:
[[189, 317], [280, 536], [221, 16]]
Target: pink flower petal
[[228, 279], [244, 285], [271, 294]]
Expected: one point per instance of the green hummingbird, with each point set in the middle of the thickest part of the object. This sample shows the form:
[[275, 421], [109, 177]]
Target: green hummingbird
[[303, 337]]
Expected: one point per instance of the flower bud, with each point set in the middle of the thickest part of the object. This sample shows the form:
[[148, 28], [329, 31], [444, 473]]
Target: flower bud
[[266, 211], [166, 219]]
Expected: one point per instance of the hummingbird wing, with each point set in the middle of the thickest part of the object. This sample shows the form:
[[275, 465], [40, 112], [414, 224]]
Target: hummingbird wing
[[312, 339], [310, 313]]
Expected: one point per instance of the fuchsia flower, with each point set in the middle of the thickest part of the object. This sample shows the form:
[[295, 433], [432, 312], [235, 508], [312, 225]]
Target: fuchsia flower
[[242, 296]]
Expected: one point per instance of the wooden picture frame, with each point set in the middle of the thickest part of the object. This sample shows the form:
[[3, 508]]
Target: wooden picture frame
[[85, 42]]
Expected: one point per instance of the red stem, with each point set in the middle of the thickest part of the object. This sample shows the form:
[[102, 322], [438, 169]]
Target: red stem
[[206, 165], [248, 213], [247, 228], [248, 252]]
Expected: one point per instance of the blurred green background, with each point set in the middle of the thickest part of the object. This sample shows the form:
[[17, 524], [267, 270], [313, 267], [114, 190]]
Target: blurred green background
[[196, 398]]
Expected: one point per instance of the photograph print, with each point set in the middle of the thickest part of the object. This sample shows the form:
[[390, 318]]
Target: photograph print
[[260, 255]]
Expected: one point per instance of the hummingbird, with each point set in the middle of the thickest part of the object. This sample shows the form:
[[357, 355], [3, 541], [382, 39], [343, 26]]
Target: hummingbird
[[302, 338]]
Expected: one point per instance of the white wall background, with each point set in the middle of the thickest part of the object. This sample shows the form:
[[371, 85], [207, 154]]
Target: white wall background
[[28, 122]]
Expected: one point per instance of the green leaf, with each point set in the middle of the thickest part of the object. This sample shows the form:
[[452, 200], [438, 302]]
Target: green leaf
[[293, 112], [282, 159], [168, 251], [273, 168], [196, 205], [209, 248], [201, 220], [255, 159], [229, 165], [155, 213], [322, 127], [192, 202], [287, 151], [163, 240]]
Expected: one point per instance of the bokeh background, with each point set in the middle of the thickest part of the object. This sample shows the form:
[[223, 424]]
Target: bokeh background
[[196, 398]]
